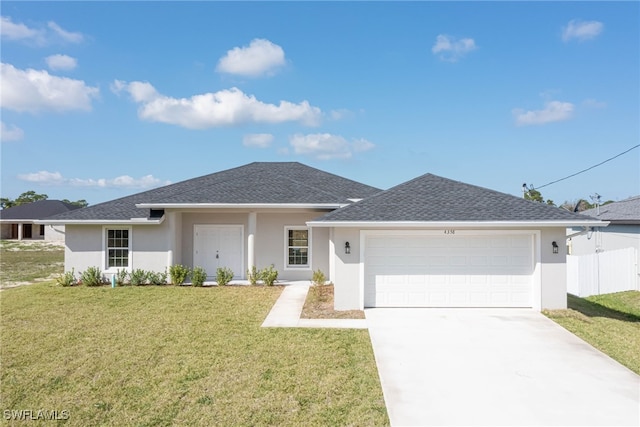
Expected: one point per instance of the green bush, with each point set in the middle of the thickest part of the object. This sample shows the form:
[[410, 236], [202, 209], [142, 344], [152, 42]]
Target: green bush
[[121, 277], [198, 276], [269, 275], [224, 276], [138, 277], [319, 278], [67, 279], [92, 276], [253, 275], [178, 274], [156, 278]]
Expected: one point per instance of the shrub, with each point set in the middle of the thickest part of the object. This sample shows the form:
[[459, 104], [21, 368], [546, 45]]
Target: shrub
[[155, 278], [269, 275], [138, 277], [253, 275], [92, 276], [198, 276], [319, 278], [178, 274], [67, 279], [224, 276], [121, 277]]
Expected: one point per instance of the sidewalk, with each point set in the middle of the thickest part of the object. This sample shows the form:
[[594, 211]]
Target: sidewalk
[[286, 312]]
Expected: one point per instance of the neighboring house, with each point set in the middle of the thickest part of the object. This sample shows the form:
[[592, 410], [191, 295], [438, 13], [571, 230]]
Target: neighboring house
[[622, 232], [19, 222], [428, 242], [605, 260]]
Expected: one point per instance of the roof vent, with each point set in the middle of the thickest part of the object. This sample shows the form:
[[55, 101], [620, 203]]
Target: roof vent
[[156, 213]]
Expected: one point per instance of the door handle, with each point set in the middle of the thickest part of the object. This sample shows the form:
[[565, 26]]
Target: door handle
[[217, 256]]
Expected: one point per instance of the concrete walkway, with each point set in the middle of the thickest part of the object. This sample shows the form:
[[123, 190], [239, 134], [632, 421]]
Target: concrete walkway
[[287, 309]]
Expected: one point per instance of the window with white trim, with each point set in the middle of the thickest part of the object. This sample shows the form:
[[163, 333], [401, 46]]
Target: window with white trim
[[298, 247], [117, 247]]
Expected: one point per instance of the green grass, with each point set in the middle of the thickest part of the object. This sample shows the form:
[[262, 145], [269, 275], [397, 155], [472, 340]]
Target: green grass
[[29, 261], [610, 322], [179, 356]]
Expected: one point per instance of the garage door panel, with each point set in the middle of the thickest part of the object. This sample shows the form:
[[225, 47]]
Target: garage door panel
[[437, 271]]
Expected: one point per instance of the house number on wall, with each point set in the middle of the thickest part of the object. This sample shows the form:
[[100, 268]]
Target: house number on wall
[[449, 231]]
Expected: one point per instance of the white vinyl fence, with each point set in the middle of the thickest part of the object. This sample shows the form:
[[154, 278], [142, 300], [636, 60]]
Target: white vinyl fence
[[603, 273]]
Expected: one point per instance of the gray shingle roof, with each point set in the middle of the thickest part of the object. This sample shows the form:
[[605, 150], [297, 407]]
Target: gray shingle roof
[[430, 198], [36, 210], [255, 183], [623, 212]]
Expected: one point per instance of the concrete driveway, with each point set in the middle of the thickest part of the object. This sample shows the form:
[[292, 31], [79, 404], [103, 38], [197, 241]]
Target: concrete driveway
[[488, 367]]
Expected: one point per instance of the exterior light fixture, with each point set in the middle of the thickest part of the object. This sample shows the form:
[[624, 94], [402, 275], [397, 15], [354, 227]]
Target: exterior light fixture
[[554, 245], [347, 248]]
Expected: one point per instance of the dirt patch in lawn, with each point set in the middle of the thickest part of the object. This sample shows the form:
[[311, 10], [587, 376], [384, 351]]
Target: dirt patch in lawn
[[319, 305]]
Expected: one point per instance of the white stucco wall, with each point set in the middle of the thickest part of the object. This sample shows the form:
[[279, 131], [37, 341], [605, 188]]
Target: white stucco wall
[[270, 244], [553, 273], [347, 269], [610, 238], [550, 282], [54, 233], [83, 247]]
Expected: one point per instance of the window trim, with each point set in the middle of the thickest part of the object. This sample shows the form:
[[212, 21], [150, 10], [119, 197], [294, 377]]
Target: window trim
[[105, 249], [294, 267]]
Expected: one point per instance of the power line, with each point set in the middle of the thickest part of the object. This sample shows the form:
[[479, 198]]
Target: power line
[[589, 168]]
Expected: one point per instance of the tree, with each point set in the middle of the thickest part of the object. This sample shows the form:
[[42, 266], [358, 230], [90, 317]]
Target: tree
[[534, 195], [82, 202], [26, 197], [31, 196]]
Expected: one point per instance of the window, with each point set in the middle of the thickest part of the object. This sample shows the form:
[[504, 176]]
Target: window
[[42, 230], [117, 248], [297, 247]]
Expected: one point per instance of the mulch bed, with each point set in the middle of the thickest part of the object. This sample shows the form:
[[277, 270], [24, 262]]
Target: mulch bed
[[319, 305]]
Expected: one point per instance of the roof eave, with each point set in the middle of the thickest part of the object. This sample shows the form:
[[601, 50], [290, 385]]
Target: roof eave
[[456, 224], [131, 221], [330, 206]]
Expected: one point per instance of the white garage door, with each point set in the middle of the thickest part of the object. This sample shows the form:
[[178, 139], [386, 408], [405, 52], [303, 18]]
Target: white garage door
[[450, 270]]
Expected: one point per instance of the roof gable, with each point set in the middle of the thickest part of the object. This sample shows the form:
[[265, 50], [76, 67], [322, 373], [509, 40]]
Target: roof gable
[[430, 198]]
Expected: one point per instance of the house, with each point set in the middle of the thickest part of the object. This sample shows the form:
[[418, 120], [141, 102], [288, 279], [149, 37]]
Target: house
[[605, 260], [428, 242], [622, 232], [19, 222]]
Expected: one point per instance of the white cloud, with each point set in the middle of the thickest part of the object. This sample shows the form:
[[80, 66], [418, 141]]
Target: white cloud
[[325, 146], [259, 140], [32, 91], [451, 49], [259, 58], [554, 111], [228, 107], [10, 133], [581, 30], [44, 177], [13, 31], [65, 35], [52, 33], [61, 62], [124, 181]]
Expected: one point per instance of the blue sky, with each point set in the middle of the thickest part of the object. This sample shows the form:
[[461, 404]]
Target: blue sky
[[101, 100]]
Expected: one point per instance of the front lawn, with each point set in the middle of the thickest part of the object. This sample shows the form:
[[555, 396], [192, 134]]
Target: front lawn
[[179, 356], [611, 323]]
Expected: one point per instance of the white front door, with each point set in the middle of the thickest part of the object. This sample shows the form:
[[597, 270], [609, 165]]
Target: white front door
[[218, 246]]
